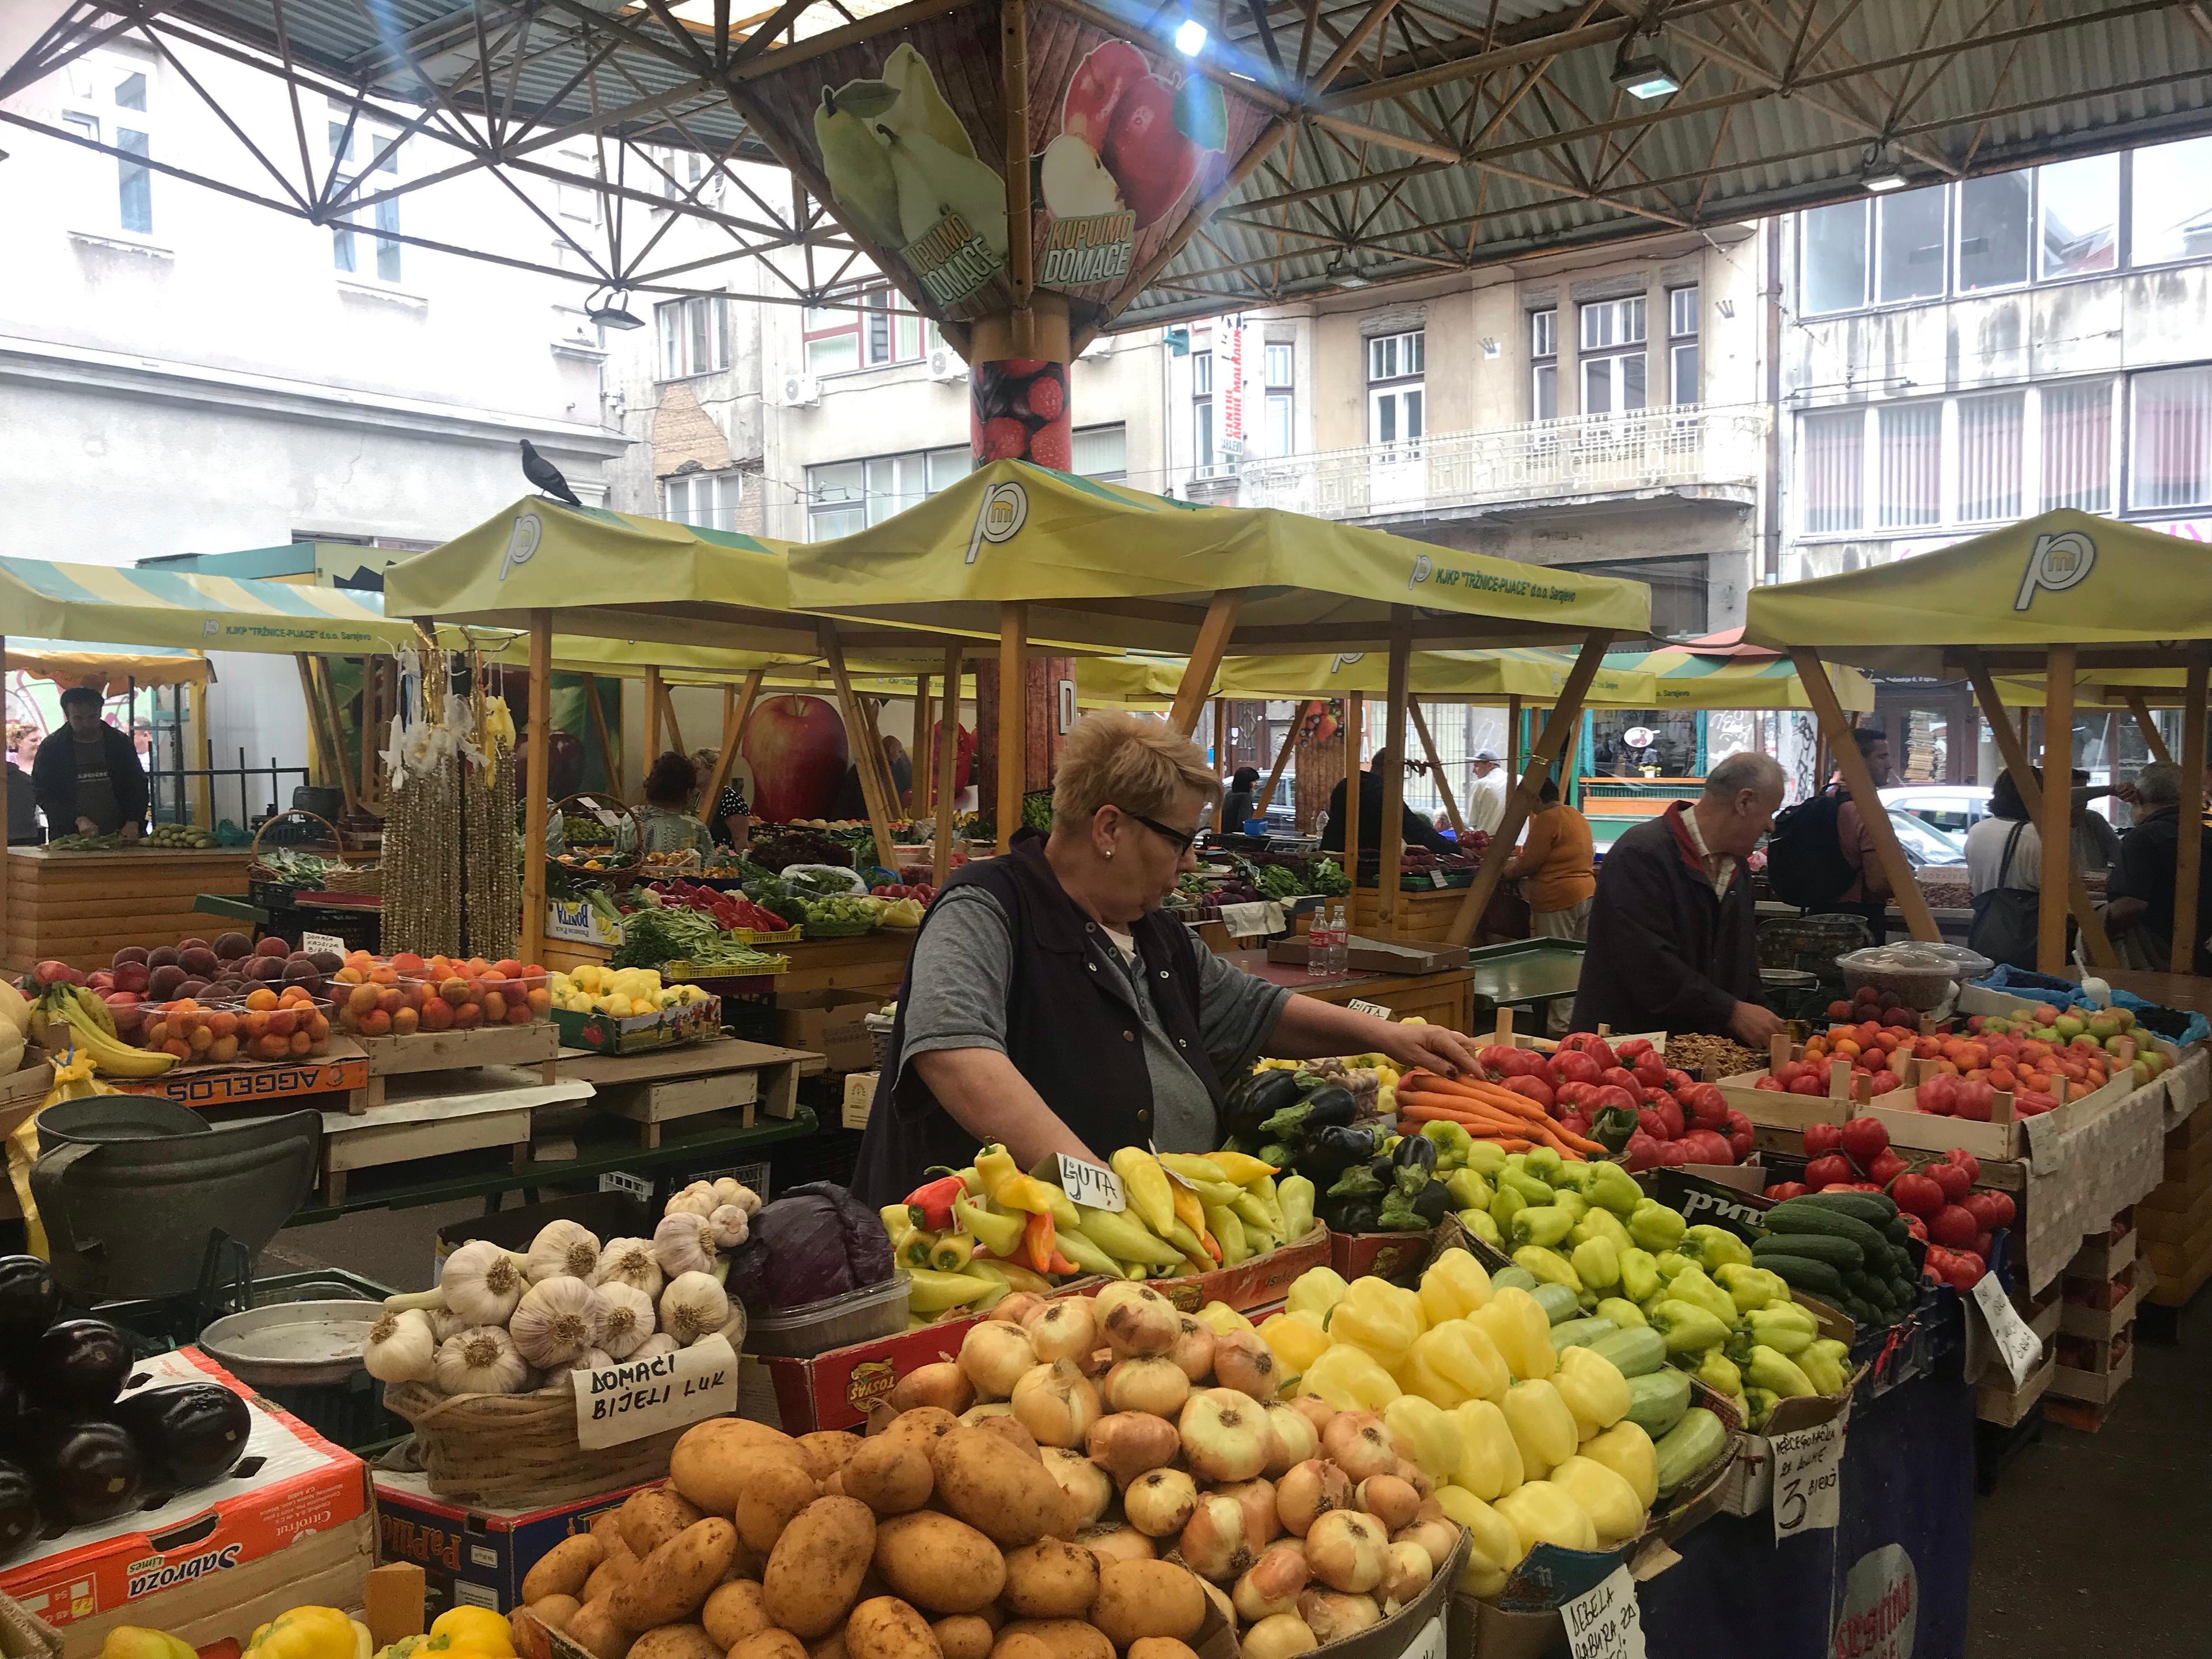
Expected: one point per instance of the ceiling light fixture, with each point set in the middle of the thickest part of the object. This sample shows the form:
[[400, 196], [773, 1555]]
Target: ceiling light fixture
[[1190, 37], [1645, 75], [606, 307], [1877, 173]]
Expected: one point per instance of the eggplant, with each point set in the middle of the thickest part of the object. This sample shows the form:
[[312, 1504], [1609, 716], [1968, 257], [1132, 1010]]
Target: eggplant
[[19, 1519], [1329, 1106], [1330, 1153], [1360, 1181], [90, 1468], [30, 1301], [77, 1365], [1257, 1097], [1415, 1152], [188, 1435], [1350, 1215]]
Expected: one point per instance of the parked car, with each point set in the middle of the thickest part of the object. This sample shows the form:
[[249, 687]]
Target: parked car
[[1953, 808], [1924, 843]]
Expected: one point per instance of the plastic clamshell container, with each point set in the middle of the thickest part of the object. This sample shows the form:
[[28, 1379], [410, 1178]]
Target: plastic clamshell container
[[837, 1322]]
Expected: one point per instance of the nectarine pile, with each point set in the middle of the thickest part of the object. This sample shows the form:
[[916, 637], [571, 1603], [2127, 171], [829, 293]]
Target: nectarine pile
[[405, 993], [270, 1025]]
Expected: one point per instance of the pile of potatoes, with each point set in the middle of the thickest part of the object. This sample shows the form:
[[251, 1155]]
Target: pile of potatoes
[[1082, 1482]]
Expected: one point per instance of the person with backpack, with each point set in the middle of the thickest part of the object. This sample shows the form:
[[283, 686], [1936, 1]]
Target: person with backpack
[[2004, 874], [1821, 857]]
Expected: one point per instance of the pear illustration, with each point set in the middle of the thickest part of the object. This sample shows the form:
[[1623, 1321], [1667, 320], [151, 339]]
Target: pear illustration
[[933, 181], [858, 169], [921, 108]]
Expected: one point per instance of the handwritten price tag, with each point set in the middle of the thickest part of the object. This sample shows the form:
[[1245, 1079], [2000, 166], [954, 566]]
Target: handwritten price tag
[[1430, 1643], [1088, 1183], [1606, 1623], [1437, 878], [2046, 1142], [2020, 1347], [1809, 1466], [637, 1397], [1374, 1008], [330, 942]]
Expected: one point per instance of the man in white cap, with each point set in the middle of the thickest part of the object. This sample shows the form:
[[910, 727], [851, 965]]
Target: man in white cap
[[1484, 808]]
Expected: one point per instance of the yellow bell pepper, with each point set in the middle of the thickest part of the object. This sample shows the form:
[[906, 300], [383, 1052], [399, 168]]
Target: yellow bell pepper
[[1717, 1371], [1424, 1433], [1316, 1291], [1548, 1266], [313, 1632], [1297, 1340], [1483, 1227], [1593, 1388], [1608, 1500], [1380, 1317], [1621, 1311], [1221, 1319], [1626, 1449], [1602, 1223], [1694, 1286], [1489, 1456], [475, 1627], [1542, 1513], [1455, 1361], [1515, 1321], [1350, 1379], [1543, 1427], [136, 1642], [1494, 1546], [1454, 1287]]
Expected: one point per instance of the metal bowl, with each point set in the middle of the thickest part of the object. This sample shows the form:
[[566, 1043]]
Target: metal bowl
[[292, 1344]]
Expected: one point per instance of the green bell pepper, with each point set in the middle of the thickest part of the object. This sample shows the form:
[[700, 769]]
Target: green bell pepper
[[1717, 1371], [1714, 1247], [1532, 1189], [1686, 1327], [1540, 1223], [1621, 1311], [1545, 1164], [1750, 1288], [1576, 1206], [1596, 1263], [1639, 1275], [1672, 1264], [1611, 1187], [1549, 1267], [1483, 1227], [1452, 1143], [1758, 1405], [1510, 1201], [1692, 1285], [1486, 1159], [1655, 1227], [1770, 1370], [1602, 1223], [1468, 1190]]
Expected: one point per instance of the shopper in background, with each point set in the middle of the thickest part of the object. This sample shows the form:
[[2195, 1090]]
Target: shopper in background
[[668, 825], [87, 776], [2140, 912], [23, 793], [1236, 805], [1556, 868], [1868, 894], [852, 800], [1417, 830], [1485, 796], [2096, 843]]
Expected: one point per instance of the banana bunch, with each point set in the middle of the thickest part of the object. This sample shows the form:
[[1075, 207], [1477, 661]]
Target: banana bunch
[[899, 161], [75, 1016]]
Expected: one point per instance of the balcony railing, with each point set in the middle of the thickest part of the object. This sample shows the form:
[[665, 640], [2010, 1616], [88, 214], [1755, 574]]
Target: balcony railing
[[1576, 455]]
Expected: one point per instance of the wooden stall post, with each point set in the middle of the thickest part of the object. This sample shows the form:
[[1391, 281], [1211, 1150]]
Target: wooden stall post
[[537, 765], [2056, 821], [1836, 727], [651, 747], [320, 760], [2190, 830], [2153, 738], [1282, 759], [1567, 710], [734, 717], [1392, 847], [918, 752], [1013, 721], [947, 755], [668, 714], [859, 732], [2101, 953], [1221, 736], [1205, 661], [196, 743], [1513, 737], [7, 951], [1435, 768], [1355, 739], [610, 750]]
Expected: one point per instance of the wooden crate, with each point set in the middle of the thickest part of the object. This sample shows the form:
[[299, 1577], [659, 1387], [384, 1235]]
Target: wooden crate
[[666, 1086], [419, 1120], [22, 1090], [82, 907], [2001, 1403], [534, 1044]]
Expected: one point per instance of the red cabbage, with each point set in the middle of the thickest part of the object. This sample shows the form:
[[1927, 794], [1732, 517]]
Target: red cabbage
[[814, 1242]]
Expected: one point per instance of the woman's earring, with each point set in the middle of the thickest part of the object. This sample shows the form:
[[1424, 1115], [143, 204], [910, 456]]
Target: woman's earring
[[1109, 852]]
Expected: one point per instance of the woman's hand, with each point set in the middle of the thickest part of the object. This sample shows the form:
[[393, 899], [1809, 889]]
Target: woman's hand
[[1433, 1047]]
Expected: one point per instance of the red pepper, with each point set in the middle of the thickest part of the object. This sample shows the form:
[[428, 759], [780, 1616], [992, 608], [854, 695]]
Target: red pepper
[[930, 1203], [1039, 1243]]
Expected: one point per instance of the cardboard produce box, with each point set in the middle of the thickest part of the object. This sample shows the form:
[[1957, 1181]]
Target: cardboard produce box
[[830, 1023], [474, 1555]]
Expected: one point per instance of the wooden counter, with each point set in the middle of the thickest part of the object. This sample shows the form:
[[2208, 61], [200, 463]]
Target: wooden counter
[[873, 962], [1445, 999], [81, 907]]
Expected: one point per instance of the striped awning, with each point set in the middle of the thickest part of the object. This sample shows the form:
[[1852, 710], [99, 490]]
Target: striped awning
[[114, 604]]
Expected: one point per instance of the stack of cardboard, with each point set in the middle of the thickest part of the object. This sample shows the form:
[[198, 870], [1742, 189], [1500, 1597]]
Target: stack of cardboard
[[2175, 1219]]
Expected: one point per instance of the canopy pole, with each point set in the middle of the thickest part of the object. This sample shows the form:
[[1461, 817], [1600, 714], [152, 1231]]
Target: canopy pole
[[536, 768], [2190, 830], [1513, 736], [872, 716], [668, 713], [319, 755], [2057, 818], [737, 710], [1355, 730], [947, 757], [1564, 714], [1206, 653], [652, 746], [7, 859], [1836, 727], [1435, 767], [1013, 717], [366, 734], [1282, 758], [2100, 946], [918, 750], [196, 741], [609, 756], [2153, 738], [1392, 849], [1221, 736], [859, 733]]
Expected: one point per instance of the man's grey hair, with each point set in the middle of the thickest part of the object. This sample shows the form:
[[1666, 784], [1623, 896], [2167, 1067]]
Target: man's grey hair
[[1746, 769], [2159, 784]]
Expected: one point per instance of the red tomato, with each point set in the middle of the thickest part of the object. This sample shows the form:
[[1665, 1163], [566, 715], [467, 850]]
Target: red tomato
[[1705, 1106]]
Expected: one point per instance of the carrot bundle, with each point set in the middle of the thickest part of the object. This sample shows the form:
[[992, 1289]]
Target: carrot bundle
[[1472, 1099]]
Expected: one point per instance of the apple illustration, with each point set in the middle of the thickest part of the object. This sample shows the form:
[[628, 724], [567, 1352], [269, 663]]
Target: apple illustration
[[1149, 134], [796, 747]]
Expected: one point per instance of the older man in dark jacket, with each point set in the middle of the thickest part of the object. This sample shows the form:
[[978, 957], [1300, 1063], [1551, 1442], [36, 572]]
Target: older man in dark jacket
[[1671, 942], [86, 775]]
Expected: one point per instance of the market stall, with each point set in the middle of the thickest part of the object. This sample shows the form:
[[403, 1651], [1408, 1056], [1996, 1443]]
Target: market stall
[[2061, 595]]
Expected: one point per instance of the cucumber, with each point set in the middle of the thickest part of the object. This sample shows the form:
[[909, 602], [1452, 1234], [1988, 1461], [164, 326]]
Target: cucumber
[[1802, 1272], [1514, 1278], [1817, 1247], [1899, 1232], [1876, 1209], [1689, 1448], [1558, 1303], [1580, 1333], [1635, 1352], [1831, 1224], [1861, 1313], [1657, 1399]]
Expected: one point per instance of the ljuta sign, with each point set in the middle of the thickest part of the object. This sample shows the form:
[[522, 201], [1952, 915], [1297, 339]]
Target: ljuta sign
[[908, 130]]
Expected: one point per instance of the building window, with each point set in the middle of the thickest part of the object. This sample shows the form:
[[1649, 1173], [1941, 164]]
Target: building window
[[1280, 369], [1202, 409], [694, 336], [845, 496], [370, 157], [110, 102], [1908, 464], [1396, 357], [1832, 457], [893, 331], [1395, 392], [705, 501], [831, 335], [1910, 228], [2079, 230], [1100, 453], [1994, 216], [1991, 446], [1682, 307], [1612, 356], [1544, 365], [2171, 213], [2077, 446], [2169, 458], [1833, 258]]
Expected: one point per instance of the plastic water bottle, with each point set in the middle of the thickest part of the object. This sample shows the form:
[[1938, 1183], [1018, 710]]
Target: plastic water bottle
[[1319, 948], [1339, 942]]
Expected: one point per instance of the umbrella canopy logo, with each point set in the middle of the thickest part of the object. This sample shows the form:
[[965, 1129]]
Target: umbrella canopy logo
[[521, 542], [1005, 510], [2056, 563]]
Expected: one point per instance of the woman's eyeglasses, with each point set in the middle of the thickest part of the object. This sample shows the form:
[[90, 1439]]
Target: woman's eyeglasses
[[1175, 838]]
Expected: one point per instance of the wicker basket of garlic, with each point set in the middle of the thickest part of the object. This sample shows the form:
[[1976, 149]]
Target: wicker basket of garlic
[[482, 1367]]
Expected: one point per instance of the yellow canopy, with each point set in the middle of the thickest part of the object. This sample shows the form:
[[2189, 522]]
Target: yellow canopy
[[2065, 578], [107, 671], [1111, 567], [1136, 681], [121, 606], [1684, 678]]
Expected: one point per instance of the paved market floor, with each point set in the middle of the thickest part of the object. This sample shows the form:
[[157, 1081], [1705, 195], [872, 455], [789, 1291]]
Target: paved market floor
[[2074, 1518]]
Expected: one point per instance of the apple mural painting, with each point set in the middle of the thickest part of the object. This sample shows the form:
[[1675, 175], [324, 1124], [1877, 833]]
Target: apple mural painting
[[796, 748]]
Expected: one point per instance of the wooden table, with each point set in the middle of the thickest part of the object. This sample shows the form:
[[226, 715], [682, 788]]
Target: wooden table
[[1445, 999], [662, 1086], [82, 907]]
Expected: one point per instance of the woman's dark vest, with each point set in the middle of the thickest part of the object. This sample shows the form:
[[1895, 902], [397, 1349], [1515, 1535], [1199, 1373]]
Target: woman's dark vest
[[1072, 1030]]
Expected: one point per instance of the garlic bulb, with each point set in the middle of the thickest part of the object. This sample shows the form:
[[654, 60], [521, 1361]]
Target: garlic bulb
[[698, 1198], [564, 1249], [401, 1348], [730, 1191], [629, 1261], [684, 1243], [693, 1306], [557, 1319], [733, 1328], [730, 1225], [591, 1359], [626, 1318], [653, 1346], [480, 1360], [445, 1323], [482, 1283]]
